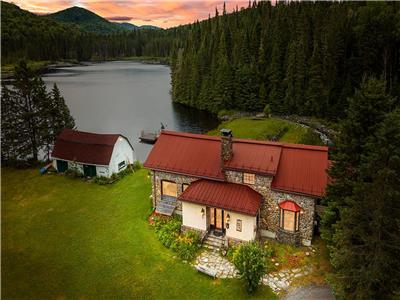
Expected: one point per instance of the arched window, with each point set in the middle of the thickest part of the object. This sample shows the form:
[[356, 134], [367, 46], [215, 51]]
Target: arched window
[[289, 215]]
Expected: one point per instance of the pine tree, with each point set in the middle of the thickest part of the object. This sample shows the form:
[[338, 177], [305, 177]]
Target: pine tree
[[366, 111], [366, 242]]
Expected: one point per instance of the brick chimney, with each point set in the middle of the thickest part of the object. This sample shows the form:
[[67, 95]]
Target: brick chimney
[[226, 145]]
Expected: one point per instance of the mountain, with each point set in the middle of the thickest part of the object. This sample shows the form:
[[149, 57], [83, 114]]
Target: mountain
[[127, 26], [86, 20], [149, 27]]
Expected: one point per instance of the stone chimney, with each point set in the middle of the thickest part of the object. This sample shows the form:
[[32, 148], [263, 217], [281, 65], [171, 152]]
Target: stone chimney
[[226, 145]]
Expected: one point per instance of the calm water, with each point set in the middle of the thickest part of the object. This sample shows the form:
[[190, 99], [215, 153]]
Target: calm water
[[125, 97]]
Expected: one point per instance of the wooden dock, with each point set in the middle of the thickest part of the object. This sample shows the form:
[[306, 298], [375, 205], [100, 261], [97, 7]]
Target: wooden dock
[[148, 137]]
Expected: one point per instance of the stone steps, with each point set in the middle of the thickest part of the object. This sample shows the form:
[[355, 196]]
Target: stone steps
[[213, 242]]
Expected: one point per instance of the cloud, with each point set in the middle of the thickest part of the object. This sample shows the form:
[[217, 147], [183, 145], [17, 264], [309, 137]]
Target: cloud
[[119, 18], [158, 12]]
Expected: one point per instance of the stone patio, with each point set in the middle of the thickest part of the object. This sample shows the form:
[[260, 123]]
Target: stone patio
[[213, 260]]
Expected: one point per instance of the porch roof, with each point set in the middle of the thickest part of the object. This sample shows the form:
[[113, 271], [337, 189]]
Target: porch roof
[[230, 196]]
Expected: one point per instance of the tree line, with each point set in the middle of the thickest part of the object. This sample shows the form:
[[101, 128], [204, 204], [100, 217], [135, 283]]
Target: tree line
[[31, 117], [297, 57]]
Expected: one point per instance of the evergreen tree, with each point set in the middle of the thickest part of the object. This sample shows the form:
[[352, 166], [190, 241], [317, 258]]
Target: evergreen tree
[[366, 242], [366, 110]]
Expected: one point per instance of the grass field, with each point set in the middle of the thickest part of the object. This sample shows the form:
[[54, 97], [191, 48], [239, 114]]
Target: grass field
[[65, 238], [263, 129]]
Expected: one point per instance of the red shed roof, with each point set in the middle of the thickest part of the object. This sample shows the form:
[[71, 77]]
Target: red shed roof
[[85, 147], [295, 168], [289, 205], [230, 196]]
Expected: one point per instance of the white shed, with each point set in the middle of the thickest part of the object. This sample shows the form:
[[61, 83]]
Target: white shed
[[92, 154]]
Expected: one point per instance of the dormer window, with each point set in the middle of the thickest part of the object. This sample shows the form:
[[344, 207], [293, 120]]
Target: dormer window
[[289, 215], [249, 178]]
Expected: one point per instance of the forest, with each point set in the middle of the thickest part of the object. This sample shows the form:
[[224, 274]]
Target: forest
[[293, 58], [299, 58]]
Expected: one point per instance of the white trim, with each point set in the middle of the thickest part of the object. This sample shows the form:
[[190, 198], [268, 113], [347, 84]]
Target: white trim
[[78, 162]]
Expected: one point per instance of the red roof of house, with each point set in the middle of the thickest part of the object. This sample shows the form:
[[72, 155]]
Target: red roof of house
[[295, 168], [230, 196], [84, 147], [302, 169], [289, 205]]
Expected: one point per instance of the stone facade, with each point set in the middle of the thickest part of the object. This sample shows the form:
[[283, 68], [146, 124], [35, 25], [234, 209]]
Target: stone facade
[[156, 179], [288, 237], [268, 222]]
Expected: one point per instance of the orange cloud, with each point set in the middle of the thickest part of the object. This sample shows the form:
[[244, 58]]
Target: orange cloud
[[150, 12]]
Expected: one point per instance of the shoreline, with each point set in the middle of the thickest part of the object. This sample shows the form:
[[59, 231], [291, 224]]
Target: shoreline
[[48, 66]]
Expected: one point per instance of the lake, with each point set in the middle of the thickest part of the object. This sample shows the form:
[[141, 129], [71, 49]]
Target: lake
[[125, 97]]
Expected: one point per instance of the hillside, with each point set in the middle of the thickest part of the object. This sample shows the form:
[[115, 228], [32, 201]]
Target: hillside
[[86, 20], [23, 35]]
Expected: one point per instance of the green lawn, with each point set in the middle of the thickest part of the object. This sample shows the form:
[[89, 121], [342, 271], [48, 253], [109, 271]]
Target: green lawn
[[65, 238], [262, 129]]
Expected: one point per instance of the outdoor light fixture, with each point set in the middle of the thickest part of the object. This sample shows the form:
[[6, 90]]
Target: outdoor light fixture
[[228, 218], [202, 212], [301, 211]]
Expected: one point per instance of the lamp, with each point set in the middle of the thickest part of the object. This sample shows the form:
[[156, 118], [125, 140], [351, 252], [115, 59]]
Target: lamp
[[301, 211], [228, 218], [202, 212]]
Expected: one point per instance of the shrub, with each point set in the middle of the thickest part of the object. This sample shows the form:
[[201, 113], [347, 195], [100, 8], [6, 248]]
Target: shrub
[[167, 230], [101, 180], [136, 165], [269, 250], [249, 259], [267, 111], [187, 244]]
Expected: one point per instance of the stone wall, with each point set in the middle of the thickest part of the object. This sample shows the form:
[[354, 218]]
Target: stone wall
[[306, 223], [157, 177], [269, 211]]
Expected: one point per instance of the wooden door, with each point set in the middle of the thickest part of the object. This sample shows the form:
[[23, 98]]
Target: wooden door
[[219, 216]]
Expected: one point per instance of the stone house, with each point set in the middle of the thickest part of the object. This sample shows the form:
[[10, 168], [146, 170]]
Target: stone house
[[236, 188]]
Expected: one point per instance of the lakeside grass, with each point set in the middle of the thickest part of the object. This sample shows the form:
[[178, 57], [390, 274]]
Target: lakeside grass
[[262, 129], [65, 238]]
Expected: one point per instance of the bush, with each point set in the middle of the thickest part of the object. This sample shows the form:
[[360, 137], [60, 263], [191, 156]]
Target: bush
[[102, 180], [269, 250], [136, 165], [267, 111], [186, 245], [167, 230], [249, 259]]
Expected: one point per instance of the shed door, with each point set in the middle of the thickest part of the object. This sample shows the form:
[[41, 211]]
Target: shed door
[[62, 165], [89, 170]]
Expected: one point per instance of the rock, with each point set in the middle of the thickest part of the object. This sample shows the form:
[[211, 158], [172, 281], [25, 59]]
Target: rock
[[297, 275], [307, 253], [276, 264], [296, 270], [272, 259]]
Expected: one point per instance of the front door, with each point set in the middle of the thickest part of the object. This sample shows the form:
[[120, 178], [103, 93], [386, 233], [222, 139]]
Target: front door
[[217, 219]]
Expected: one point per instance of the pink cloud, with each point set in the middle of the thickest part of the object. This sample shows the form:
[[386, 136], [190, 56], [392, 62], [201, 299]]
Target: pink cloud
[[150, 12]]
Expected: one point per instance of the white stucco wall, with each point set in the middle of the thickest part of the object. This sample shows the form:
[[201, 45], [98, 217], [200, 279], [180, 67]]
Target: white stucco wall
[[249, 226], [122, 152], [191, 216]]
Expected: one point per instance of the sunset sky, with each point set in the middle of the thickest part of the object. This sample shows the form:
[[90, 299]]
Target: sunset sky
[[151, 12]]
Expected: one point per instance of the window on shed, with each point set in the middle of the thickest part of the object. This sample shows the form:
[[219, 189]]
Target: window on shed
[[169, 188], [249, 178], [121, 165]]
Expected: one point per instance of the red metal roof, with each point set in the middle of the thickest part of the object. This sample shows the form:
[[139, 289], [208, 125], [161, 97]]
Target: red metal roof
[[84, 147], [302, 169], [295, 168], [191, 154], [289, 205], [230, 196]]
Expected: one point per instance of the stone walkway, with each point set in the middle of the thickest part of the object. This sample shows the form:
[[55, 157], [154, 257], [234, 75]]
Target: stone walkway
[[278, 281], [215, 261], [281, 280]]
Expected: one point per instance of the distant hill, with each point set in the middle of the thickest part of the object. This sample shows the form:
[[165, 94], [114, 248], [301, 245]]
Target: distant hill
[[127, 26], [85, 19]]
